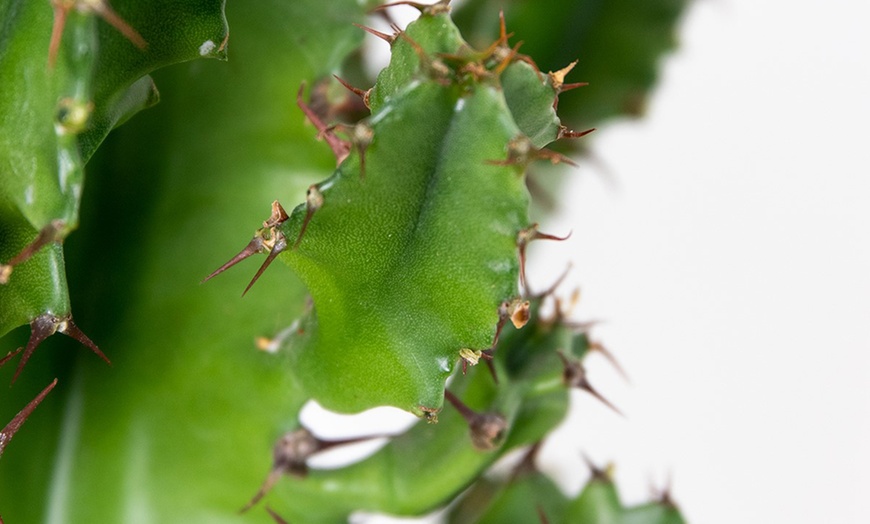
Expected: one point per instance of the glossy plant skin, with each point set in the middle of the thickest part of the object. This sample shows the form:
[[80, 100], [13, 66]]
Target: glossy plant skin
[[412, 256]]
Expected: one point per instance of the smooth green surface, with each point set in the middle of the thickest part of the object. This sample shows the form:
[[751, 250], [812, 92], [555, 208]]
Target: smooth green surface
[[180, 429], [41, 162]]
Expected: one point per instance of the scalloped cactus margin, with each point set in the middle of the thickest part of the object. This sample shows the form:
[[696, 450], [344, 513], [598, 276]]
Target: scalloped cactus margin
[[413, 248], [431, 464]]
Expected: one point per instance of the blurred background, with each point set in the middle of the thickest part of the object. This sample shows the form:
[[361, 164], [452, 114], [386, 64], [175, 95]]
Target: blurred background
[[724, 240]]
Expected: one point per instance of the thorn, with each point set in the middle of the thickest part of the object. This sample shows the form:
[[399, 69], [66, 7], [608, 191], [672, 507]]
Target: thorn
[[555, 285], [525, 236], [541, 515], [442, 6], [254, 246], [68, 328], [313, 202], [487, 429], [12, 427], [527, 463], [340, 148], [290, 455], [564, 132], [522, 152], [383, 36], [277, 518], [9, 356], [597, 346], [48, 234], [102, 9], [279, 246], [60, 12], [597, 473], [355, 90], [43, 327], [575, 377]]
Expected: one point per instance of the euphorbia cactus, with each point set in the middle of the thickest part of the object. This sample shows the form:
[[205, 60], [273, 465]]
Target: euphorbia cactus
[[411, 253]]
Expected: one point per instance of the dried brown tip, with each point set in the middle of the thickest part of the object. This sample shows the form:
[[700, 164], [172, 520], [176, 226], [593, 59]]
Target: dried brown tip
[[313, 202], [48, 234], [12, 427], [557, 78], [574, 376], [46, 325], [487, 429], [340, 148]]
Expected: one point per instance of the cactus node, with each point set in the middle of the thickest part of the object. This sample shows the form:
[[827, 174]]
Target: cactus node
[[46, 325]]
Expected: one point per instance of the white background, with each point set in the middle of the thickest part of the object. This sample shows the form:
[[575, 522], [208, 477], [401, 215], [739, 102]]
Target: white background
[[730, 257], [726, 247]]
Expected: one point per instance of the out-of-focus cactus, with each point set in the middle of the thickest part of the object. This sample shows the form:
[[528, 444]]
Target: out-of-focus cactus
[[409, 260]]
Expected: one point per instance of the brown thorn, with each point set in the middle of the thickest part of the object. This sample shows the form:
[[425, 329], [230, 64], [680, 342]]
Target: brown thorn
[[574, 85], [383, 36], [597, 346], [340, 148], [442, 6], [355, 90], [555, 285], [46, 235], [271, 479], [277, 518], [9, 356], [60, 13], [564, 132], [596, 472], [575, 377], [491, 366], [280, 245], [70, 329], [41, 328], [487, 429], [502, 27], [253, 247], [554, 157], [541, 515], [313, 202], [12, 427], [109, 15]]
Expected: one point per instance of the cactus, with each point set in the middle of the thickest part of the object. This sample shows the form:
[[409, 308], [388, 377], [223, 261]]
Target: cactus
[[407, 260]]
